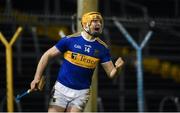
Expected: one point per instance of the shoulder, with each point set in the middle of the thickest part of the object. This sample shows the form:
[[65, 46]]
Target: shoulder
[[101, 42], [74, 35], [71, 37]]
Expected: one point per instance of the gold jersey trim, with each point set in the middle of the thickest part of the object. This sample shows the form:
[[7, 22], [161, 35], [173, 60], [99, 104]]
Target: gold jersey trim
[[74, 35], [101, 42], [81, 59]]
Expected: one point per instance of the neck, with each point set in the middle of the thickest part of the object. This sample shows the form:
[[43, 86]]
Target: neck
[[88, 36]]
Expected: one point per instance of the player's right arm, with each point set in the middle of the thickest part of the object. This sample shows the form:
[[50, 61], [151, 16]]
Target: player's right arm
[[43, 62]]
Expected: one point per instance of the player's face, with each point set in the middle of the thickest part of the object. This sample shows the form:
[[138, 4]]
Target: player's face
[[96, 27]]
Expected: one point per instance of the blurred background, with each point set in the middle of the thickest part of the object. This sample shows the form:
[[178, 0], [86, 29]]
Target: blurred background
[[152, 87]]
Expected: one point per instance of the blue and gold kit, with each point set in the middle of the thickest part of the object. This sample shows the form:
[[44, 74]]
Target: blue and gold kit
[[81, 56]]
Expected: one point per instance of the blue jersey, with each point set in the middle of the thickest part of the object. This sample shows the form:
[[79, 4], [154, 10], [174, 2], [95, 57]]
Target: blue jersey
[[81, 56]]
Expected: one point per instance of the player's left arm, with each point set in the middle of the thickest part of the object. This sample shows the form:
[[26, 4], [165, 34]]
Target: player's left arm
[[112, 69]]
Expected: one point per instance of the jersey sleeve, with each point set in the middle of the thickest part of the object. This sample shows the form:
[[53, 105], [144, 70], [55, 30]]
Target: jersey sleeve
[[61, 45], [105, 56]]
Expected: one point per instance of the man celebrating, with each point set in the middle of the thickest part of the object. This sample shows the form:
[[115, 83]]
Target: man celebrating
[[82, 52]]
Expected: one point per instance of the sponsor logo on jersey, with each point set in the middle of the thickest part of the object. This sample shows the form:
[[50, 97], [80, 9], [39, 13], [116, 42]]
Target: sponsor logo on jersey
[[96, 52], [81, 59]]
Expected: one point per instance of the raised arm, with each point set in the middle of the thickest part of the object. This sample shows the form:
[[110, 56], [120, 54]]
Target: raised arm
[[110, 69], [46, 57]]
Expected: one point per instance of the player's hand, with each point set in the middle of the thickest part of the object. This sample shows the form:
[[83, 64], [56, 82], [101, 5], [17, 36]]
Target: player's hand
[[119, 63], [34, 85], [42, 83]]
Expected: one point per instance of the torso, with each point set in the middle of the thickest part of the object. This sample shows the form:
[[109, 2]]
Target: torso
[[81, 56]]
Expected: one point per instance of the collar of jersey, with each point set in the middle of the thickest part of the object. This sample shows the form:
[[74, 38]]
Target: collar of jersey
[[86, 38]]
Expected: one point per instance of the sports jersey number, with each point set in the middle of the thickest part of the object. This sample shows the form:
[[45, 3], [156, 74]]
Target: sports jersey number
[[87, 48]]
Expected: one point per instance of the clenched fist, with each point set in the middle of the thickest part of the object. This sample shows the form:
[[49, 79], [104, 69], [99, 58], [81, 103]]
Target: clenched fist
[[37, 84], [119, 62]]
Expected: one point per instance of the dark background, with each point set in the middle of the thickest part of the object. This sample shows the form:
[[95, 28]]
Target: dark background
[[161, 84]]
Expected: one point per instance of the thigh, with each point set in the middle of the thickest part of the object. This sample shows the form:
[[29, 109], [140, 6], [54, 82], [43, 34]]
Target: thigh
[[78, 104], [54, 108], [58, 101], [73, 109]]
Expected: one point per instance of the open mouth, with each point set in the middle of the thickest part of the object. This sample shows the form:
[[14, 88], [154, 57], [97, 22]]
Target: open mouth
[[97, 29]]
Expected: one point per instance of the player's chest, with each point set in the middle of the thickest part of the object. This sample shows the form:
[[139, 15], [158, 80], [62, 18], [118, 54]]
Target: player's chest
[[89, 49]]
